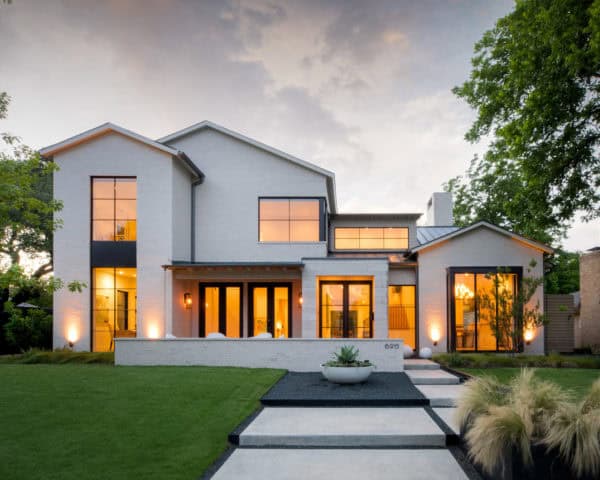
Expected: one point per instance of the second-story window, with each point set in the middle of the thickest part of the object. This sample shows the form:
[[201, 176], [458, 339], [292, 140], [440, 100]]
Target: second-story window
[[371, 238], [290, 220], [114, 209]]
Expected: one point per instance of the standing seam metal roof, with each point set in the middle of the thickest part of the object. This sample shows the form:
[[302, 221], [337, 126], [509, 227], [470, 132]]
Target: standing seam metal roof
[[428, 234]]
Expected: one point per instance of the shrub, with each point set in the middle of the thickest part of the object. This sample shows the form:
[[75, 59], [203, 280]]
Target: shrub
[[29, 329]]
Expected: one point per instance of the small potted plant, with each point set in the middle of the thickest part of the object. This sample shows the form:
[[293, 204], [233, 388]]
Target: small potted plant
[[345, 367]]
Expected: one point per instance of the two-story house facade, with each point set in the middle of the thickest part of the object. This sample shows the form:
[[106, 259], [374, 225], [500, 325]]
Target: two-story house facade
[[208, 233]]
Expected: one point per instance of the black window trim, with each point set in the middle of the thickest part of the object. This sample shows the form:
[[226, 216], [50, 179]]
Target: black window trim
[[451, 310]]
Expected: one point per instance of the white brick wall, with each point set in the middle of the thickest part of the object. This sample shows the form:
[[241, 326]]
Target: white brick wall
[[294, 354]]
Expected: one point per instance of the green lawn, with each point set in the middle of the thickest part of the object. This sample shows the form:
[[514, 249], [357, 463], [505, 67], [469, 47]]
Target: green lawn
[[100, 421], [575, 380]]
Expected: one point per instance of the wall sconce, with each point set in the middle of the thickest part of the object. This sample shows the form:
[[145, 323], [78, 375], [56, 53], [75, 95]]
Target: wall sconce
[[300, 299], [528, 336], [187, 300], [435, 335]]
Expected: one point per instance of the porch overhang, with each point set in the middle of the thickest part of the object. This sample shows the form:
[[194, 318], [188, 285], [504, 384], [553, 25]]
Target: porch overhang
[[232, 265]]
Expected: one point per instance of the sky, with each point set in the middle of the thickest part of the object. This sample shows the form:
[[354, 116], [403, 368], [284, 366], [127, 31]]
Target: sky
[[362, 88]]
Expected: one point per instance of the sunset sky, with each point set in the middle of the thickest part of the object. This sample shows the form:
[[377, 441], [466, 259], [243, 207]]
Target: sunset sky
[[358, 87]]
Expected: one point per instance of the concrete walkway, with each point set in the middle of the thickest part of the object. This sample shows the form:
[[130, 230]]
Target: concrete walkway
[[306, 430]]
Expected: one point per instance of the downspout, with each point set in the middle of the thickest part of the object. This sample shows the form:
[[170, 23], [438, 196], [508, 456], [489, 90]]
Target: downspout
[[195, 183]]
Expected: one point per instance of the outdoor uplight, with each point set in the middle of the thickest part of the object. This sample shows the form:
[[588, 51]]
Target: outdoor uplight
[[187, 300], [528, 336], [435, 335], [72, 335], [153, 332]]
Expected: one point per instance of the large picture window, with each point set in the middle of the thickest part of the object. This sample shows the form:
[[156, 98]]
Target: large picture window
[[114, 209], [371, 238], [290, 220], [480, 300]]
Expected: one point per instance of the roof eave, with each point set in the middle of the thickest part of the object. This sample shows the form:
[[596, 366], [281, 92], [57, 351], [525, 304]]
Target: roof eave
[[98, 131], [526, 241]]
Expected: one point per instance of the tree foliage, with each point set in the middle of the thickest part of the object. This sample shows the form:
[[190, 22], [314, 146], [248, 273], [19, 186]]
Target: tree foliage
[[563, 273], [534, 86], [26, 202]]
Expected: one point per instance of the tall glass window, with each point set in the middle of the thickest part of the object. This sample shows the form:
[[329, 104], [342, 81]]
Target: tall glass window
[[482, 302], [401, 313], [114, 306], [114, 209], [371, 238], [290, 220]]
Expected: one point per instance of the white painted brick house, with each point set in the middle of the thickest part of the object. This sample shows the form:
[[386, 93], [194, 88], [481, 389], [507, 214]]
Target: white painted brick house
[[206, 231]]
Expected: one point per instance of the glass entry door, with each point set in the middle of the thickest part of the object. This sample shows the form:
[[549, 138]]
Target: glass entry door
[[345, 309], [221, 309], [270, 309]]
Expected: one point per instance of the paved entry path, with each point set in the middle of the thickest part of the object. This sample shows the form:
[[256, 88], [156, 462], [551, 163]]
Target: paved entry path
[[394, 426]]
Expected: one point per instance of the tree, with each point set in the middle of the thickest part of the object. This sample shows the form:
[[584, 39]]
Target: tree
[[563, 273], [26, 202], [511, 314], [534, 85]]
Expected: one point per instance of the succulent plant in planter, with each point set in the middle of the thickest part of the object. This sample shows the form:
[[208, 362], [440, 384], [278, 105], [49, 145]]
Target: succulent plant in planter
[[345, 367]]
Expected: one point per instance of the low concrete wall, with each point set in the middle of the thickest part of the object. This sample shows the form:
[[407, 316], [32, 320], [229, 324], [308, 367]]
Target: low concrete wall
[[294, 354]]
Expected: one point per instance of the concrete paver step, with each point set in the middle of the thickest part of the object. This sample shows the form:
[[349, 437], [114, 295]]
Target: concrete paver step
[[420, 364], [432, 377], [441, 395], [354, 464], [342, 427]]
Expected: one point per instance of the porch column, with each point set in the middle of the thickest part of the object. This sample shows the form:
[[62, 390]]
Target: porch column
[[168, 312]]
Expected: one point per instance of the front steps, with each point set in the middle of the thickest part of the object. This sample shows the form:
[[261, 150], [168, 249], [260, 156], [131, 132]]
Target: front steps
[[395, 426], [353, 464], [368, 427]]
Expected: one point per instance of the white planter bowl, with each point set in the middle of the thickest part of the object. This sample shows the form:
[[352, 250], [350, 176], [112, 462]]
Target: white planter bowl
[[346, 374]]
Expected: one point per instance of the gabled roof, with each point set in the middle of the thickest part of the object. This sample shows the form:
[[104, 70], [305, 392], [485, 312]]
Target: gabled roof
[[482, 224], [111, 127], [330, 176]]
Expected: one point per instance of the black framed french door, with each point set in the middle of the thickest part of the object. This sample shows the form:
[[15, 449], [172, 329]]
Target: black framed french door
[[270, 309], [345, 309], [220, 309]]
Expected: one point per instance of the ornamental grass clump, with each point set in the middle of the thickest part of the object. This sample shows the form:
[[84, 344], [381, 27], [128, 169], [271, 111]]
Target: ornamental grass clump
[[574, 430], [501, 419], [347, 357]]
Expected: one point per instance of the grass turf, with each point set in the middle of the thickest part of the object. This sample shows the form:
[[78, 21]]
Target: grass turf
[[575, 380], [99, 421]]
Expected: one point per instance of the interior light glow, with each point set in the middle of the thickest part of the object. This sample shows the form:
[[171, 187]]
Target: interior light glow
[[462, 291]]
